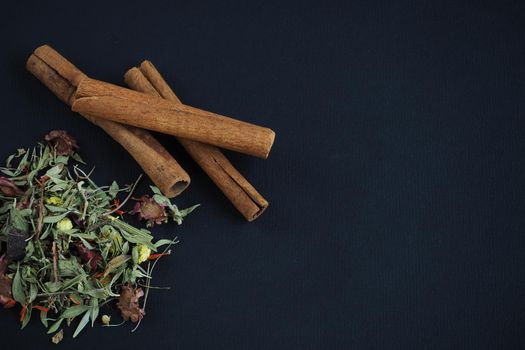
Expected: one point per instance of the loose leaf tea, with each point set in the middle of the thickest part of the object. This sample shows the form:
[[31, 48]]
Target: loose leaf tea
[[65, 250]]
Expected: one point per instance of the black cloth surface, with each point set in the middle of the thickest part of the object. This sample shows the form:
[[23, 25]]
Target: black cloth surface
[[396, 182]]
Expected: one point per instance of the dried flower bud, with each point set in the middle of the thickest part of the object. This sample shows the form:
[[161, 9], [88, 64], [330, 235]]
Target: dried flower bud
[[64, 225], [144, 253], [106, 319], [8, 188], [64, 143], [54, 200], [148, 209]]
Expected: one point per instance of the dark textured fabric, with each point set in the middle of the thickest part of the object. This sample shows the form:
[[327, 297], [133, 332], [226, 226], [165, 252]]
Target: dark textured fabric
[[396, 183]]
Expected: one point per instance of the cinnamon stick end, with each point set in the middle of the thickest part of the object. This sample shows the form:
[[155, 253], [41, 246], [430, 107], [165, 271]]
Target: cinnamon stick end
[[50, 78], [176, 188], [43, 49], [135, 78], [271, 140], [258, 213]]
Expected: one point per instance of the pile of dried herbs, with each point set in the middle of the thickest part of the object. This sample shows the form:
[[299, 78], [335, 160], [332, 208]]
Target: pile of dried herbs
[[64, 249]]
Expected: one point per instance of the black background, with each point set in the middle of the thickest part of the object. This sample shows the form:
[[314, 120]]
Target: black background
[[396, 180]]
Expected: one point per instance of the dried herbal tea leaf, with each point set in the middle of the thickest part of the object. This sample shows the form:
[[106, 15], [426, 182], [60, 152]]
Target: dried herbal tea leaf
[[69, 250]]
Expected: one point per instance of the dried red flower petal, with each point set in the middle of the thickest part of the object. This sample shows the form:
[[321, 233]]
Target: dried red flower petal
[[148, 209], [116, 204], [128, 303], [64, 143], [157, 256], [8, 188], [23, 313], [10, 303], [41, 308], [92, 257]]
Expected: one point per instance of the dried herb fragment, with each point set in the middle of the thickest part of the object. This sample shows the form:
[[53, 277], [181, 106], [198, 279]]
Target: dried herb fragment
[[57, 338], [92, 257], [148, 209], [62, 142], [128, 303], [157, 209], [8, 188]]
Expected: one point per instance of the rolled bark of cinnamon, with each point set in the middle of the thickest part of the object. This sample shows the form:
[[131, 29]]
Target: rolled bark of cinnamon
[[235, 187], [108, 101], [62, 78]]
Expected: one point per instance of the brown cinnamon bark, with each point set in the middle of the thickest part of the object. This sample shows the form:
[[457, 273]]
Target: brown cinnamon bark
[[62, 78], [112, 102], [235, 187]]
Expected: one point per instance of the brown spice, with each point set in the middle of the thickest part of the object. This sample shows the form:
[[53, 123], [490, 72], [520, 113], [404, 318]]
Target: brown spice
[[235, 187], [62, 78], [112, 102]]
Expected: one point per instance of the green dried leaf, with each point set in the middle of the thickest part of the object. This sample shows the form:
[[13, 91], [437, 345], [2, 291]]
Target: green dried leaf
[[69, 267], [55, 171], [55, 326], [83, 322], [33, 290], [185, 212], [17, 288], [27, 317], [95, 309], [162, 242], [155, 190], [53, 287], [55, 209], [74, 311], [77, 157], [113, 189], [54, 219], [43, 318]]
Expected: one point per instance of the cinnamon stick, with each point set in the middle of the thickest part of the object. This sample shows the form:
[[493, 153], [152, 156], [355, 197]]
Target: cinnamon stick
[[108, 101], [235, 187], [62, 78]]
